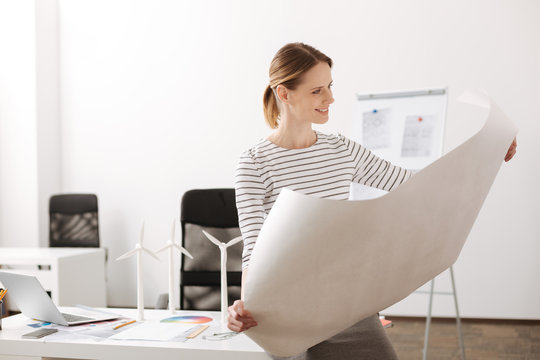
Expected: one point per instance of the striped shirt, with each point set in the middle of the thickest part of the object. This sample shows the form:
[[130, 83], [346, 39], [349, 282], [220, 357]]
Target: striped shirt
[[325, 169]]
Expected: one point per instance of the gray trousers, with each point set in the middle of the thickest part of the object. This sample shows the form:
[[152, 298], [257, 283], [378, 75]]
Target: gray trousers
[[366, 339]]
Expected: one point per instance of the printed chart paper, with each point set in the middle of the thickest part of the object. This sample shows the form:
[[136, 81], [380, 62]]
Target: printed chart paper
[[320, 266], [418, 136], [377, 129]]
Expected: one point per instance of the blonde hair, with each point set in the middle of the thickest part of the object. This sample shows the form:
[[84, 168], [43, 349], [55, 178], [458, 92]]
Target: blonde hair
[[287, 68]]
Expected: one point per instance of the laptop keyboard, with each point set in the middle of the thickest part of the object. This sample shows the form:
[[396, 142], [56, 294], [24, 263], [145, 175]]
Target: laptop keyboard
[[74, 318]]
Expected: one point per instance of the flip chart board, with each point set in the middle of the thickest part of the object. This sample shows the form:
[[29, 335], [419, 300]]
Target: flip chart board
[[403, 127]]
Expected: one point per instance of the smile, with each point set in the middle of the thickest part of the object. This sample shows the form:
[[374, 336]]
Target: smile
[[322, 110]]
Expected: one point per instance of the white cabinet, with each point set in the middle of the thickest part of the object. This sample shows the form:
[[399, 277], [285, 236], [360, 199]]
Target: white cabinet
[[72, 275]]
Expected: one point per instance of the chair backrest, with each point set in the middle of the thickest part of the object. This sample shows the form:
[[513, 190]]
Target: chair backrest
[[73, 220], [213, 210]]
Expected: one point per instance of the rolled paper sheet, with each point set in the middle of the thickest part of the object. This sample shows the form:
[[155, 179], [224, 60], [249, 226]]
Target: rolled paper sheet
[[319, 266]]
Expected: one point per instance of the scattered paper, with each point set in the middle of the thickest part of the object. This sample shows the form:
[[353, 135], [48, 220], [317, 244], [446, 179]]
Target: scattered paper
[[319, 266], [154, 331], [96, 331]]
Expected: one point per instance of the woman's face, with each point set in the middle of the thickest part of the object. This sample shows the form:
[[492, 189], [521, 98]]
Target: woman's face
[[311, 100]]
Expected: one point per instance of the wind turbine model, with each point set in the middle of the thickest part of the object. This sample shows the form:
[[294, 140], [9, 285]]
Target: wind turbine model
[[140, 292], [223, 248], [171, 245]]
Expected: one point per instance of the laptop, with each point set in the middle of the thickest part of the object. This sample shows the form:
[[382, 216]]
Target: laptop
[[34, 302]]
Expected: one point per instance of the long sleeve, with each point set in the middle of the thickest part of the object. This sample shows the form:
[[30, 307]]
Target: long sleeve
[[373, 171], [250, 193]]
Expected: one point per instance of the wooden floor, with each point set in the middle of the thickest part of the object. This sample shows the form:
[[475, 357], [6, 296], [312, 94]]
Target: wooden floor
[[483, 339]]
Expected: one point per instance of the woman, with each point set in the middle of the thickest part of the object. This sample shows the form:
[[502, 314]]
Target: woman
[[299, 158]]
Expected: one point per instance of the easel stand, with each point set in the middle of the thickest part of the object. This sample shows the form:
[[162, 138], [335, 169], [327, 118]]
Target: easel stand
[[428, 319]]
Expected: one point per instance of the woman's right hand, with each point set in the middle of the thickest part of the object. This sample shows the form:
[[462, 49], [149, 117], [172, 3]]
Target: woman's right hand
[[239, 318]]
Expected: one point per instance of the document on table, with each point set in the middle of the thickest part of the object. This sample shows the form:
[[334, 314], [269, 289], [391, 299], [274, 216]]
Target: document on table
[[96, 331], [155, 331], [319, 266]]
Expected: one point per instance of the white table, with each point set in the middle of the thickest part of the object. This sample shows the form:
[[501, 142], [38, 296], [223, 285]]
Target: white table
[[13, 347], [72, 275]]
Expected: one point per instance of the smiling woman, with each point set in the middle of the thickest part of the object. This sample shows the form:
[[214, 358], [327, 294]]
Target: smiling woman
[[297, 157], [287, 71], [312, 163]]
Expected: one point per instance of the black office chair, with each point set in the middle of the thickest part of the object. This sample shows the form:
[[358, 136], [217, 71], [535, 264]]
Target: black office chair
[[213, 210], [73, 220]]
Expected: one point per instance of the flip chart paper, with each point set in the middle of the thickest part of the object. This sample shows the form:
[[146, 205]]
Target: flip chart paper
[[319, 266], [377, 129], [418, 136]]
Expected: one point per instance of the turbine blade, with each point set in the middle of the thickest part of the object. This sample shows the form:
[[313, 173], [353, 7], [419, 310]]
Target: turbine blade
[[151, 254], [212, 239], [184, 251], [141, 238], [163, 249], [128, 254], [234, 241]]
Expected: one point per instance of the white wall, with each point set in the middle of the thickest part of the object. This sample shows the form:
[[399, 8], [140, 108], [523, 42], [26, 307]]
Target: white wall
[[158, 97], [29, 122], [17, 130], [48, 127]]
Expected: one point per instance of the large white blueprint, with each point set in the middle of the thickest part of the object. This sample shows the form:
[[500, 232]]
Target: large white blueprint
[[319, 266]]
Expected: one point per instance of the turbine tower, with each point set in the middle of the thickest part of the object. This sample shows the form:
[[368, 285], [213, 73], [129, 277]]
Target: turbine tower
[[223, 249], [138, 251], [171, 245]]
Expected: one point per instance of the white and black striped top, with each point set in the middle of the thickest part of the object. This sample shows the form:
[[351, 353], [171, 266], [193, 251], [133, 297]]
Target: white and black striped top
[[324, 169]]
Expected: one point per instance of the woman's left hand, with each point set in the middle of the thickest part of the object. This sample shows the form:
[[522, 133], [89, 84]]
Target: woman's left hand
[[511, 151], [239, 319]]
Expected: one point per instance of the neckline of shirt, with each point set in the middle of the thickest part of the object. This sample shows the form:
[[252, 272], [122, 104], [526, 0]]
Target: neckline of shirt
[[274, 146]]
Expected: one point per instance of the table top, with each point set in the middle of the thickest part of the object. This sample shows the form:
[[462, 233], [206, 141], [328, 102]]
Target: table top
[[237, 347]]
